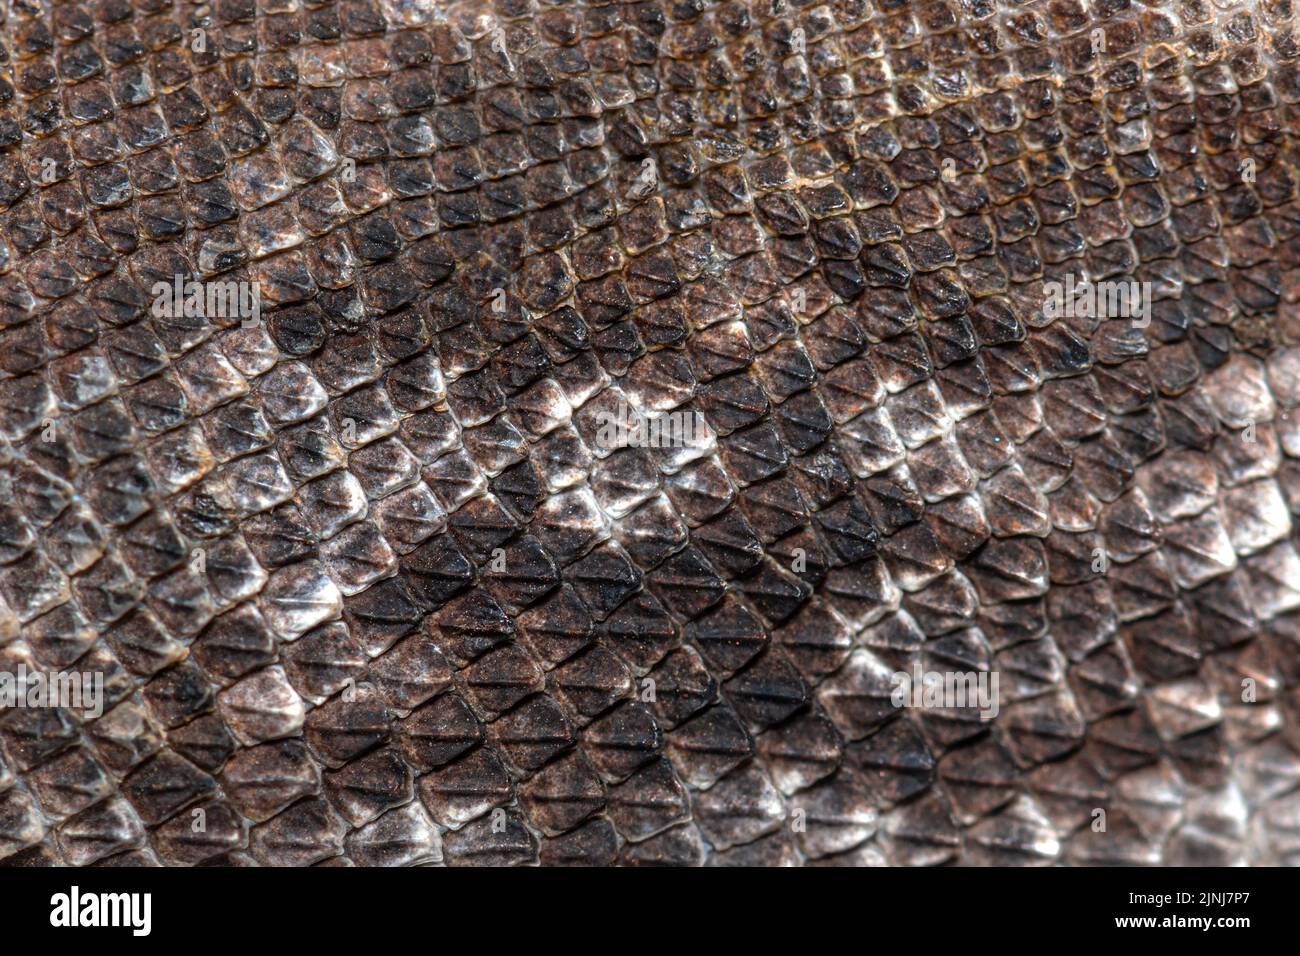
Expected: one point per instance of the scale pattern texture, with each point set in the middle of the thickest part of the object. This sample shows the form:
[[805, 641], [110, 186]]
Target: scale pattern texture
[[367, 587]]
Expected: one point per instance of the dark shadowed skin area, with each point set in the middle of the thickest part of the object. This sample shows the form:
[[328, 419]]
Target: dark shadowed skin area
[[364, 583]]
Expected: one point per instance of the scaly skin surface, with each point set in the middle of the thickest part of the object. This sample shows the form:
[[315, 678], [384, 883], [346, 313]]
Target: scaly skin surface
[[366, 586]]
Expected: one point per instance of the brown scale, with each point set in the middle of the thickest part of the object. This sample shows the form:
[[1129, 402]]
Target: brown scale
[[437, 620]]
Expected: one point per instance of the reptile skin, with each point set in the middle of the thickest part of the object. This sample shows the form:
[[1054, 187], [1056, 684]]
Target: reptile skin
[[367, 587]]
